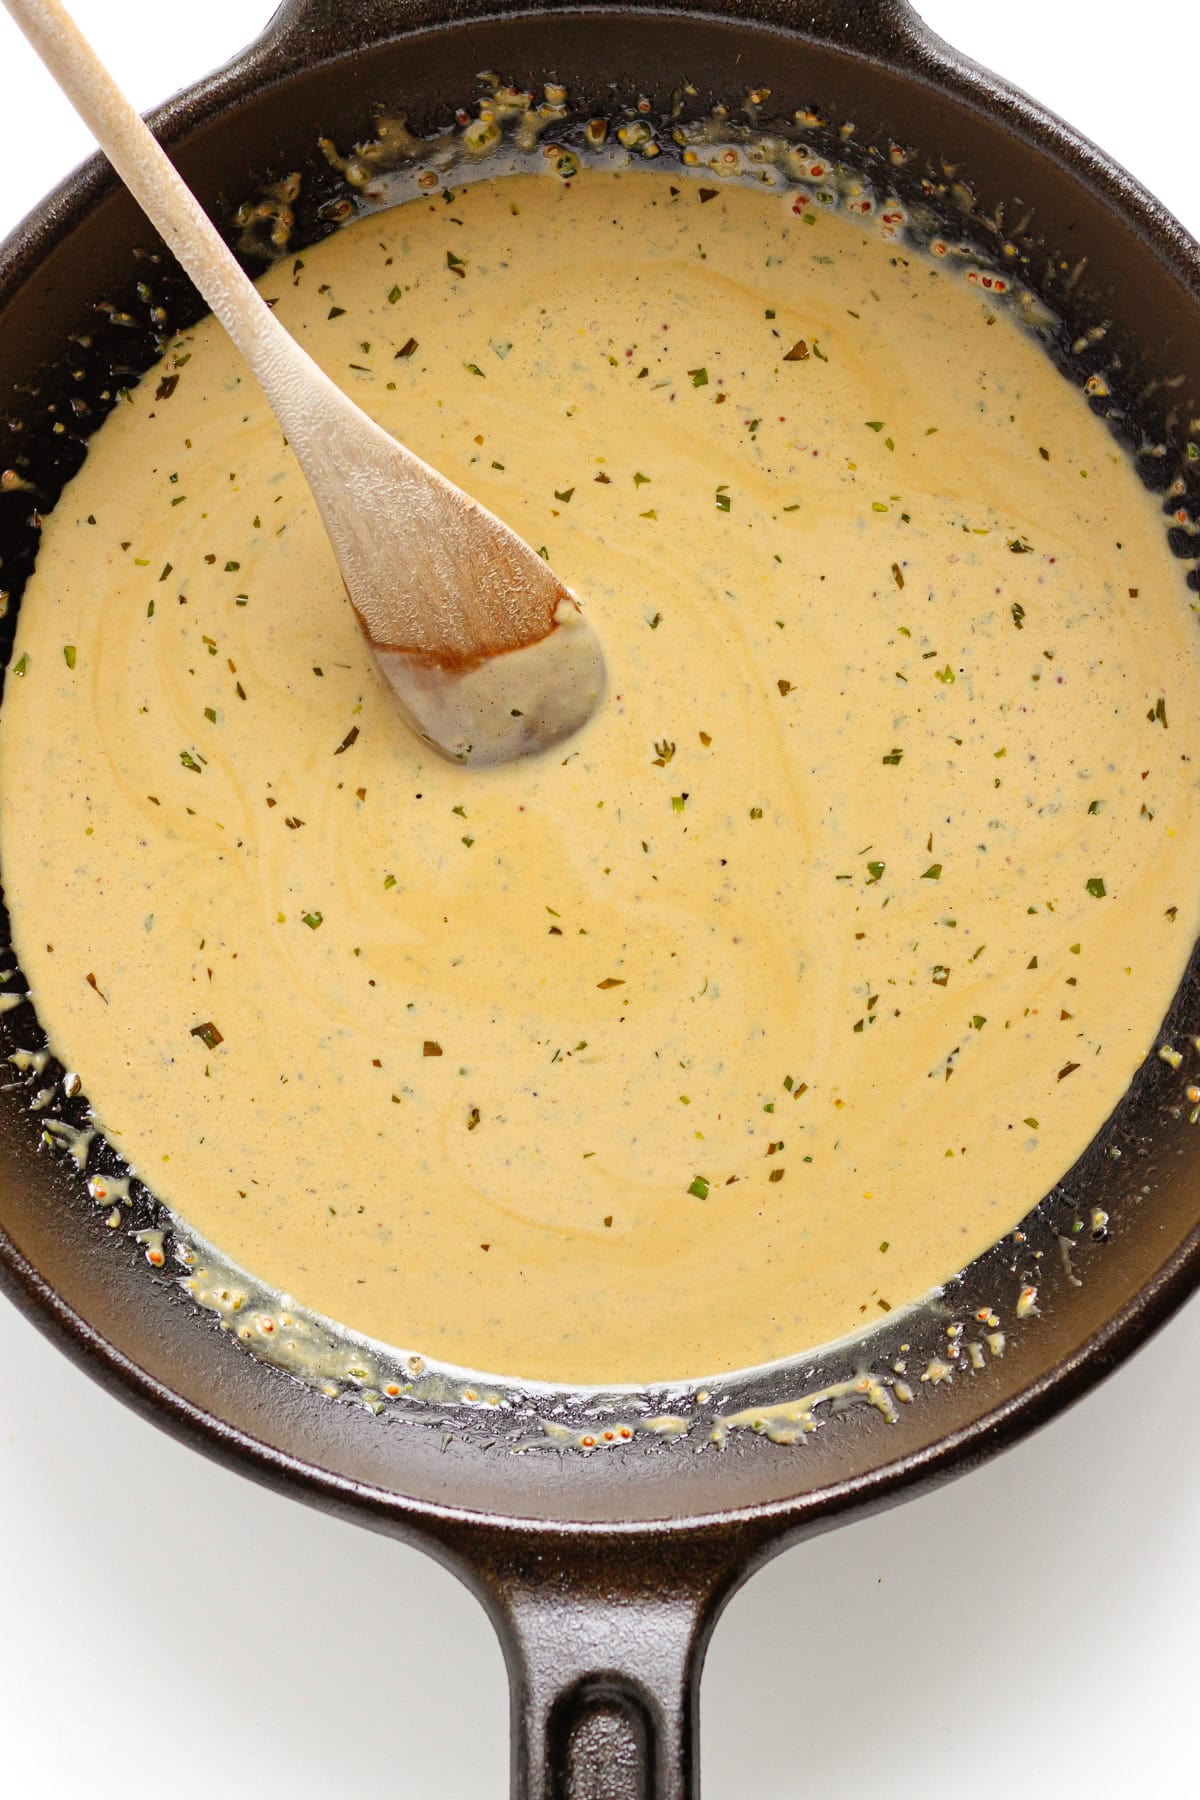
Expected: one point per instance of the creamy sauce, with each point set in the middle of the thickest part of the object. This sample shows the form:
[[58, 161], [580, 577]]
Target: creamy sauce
[[770, 1000]]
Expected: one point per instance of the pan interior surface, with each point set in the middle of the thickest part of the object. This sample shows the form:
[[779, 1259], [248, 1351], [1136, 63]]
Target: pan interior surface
[[1145, 1194]]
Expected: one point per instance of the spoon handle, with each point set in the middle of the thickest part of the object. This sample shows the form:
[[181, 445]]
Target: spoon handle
[[170, 205], [328, 433]]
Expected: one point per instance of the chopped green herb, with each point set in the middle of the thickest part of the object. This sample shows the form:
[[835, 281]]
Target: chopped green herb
[[699, 1188], [69, 655], [208, 1034], [699, 377], [933, 872], [1096, 888], [312, 919]]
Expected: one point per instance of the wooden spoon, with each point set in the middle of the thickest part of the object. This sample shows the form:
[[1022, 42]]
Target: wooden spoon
[[487, 652]]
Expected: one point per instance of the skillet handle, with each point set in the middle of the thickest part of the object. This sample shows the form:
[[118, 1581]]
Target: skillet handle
[[307, 31], [604, 1642]]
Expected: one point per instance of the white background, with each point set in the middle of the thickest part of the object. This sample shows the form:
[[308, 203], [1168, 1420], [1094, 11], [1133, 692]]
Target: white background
[[166, 1628]]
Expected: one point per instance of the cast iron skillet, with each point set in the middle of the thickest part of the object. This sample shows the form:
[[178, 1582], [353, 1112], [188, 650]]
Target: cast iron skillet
[[604, 1573]]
